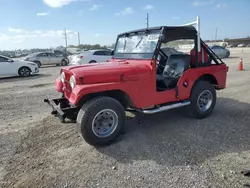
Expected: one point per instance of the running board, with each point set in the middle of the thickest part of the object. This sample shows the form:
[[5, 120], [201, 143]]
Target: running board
[[166, 107]]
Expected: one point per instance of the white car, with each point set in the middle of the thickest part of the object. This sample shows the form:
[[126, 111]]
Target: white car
[[91, 56], [9, 67]]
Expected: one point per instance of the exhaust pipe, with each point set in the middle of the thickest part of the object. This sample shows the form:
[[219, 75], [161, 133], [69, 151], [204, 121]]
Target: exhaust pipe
[[167, 107]]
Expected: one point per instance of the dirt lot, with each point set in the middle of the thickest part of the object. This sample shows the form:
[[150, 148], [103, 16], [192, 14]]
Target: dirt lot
[[163, 150]]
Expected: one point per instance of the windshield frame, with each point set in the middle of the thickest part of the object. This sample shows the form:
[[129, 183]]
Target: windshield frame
[[137, 55]]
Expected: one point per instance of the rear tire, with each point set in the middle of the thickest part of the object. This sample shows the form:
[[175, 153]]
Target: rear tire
[[64, 62], [203, 100], [101, 121], [24, 71]]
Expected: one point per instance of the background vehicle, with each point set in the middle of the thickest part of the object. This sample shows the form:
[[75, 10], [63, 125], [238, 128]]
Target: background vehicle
[[9, 67], [241, 45], [231, 46], [47, 58], [91, 56], [168, 51], [220, 51], [60, 53], [140, 77]]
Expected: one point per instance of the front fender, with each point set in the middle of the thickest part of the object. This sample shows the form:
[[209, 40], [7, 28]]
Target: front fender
[[59, 85], [82, 90]]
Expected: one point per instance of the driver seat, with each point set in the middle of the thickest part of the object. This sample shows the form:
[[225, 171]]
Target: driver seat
[[175, 66]]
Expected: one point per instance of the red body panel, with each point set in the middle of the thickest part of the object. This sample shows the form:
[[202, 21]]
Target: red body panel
[[136, 78]]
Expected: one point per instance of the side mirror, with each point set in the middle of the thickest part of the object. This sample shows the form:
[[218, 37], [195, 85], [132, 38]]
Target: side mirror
[[10, 61], [112, 52]]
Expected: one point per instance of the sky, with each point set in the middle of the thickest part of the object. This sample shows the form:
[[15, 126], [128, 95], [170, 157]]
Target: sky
[[41, 23]]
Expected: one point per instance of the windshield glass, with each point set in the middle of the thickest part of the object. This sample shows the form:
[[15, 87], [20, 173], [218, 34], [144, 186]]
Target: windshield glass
[[141, 45]]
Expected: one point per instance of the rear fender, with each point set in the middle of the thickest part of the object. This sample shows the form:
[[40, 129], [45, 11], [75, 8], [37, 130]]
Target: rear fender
[[189, 77]]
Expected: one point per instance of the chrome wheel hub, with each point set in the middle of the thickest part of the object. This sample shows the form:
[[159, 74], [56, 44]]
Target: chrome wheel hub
[[105, 123], [205, 100]]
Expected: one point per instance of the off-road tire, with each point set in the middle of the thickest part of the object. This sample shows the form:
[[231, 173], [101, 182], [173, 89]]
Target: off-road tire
[[193, 109], [87, 114], [38, 63], [24, 71], [92, 61]]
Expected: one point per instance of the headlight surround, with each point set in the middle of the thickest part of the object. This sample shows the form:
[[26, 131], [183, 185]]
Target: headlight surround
[[62, 76], [72, 81]]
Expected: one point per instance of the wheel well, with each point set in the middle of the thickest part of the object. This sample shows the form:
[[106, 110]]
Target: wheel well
[[209, 78], [91, 61], [119, 95], [24, 67], [37, 62]]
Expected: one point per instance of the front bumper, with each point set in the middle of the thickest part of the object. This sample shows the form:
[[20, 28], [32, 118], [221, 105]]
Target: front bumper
[[62, 109], [36, 70]]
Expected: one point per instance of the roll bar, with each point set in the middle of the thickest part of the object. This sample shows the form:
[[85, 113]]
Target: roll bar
[[197, 24]]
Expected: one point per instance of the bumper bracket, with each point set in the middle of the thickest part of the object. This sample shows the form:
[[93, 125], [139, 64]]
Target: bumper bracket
[[62, 109]]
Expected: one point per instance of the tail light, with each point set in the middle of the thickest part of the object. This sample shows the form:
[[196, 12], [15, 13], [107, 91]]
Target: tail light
[[81, 57]]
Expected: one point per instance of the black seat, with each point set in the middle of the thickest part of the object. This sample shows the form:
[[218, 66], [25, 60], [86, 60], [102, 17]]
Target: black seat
[[175, 66], [161, 65]]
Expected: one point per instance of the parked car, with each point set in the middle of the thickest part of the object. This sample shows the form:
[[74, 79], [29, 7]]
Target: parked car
[[9, 67], [220, 51], [60, 53], [231, 45], [47, 58], [91, 56], [169, 51], [241, 45]]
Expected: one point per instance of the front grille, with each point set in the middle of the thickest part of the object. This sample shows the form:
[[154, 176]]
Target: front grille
[[67, 86]]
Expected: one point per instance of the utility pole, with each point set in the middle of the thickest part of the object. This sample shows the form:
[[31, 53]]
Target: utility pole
[[147, 21], [65, 36], [216, 34], [79, 39]]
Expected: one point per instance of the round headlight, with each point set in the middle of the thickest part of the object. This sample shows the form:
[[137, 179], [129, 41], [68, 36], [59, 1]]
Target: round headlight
[[62, 77], [72, 81]]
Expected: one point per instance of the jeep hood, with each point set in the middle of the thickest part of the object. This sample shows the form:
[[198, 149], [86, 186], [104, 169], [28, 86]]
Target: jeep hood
[[104, 72]]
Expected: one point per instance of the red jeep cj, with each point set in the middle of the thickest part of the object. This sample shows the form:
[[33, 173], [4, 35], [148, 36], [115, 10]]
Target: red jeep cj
[[151, 71]]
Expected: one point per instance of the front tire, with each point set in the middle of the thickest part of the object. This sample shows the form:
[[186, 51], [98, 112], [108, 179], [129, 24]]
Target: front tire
[[101, 121], [227, 55], [24, 71], [203, 100]]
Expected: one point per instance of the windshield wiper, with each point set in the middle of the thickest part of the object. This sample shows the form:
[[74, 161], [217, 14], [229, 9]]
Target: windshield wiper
[[145, 32], [125, 43]]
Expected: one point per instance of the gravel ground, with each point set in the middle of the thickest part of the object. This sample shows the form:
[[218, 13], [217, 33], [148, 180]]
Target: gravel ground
[[163, 150]]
